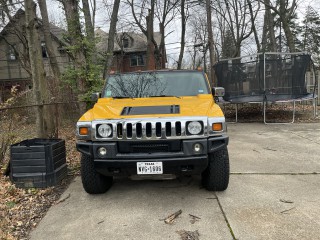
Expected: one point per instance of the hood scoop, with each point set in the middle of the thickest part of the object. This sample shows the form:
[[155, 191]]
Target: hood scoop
[[169, 109]]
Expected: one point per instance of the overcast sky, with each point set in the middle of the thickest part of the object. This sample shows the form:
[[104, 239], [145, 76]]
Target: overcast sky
[[102, 16]]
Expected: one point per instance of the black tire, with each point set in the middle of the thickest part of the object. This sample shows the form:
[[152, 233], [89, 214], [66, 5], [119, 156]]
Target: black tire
[[92, 181], [216, 175]]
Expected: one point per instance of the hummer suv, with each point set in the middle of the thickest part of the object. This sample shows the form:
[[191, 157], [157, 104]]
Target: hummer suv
[[154, 124]]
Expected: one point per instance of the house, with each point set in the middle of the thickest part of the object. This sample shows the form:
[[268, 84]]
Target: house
[[130, 51], [14, 56]]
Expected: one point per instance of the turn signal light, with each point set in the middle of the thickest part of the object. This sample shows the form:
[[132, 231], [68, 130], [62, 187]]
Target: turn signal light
[[217, 126], [83, 131]]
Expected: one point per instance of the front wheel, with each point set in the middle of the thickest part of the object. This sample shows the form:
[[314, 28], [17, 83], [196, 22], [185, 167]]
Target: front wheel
[[92, 181], [216, 175]]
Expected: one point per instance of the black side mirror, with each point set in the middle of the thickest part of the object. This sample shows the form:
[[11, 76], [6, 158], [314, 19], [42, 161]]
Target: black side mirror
[[218, 91], [95, 96]]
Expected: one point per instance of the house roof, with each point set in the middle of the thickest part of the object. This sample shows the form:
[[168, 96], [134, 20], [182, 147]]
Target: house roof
[[56, 32], [137, 41]]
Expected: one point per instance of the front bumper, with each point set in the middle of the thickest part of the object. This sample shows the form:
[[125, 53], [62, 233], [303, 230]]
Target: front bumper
[[183, 161]]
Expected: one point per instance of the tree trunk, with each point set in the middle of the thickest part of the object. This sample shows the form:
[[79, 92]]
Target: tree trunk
[[89, 30], [76, 38], [112, 32], [47, 37], [270, 26], [289, 35], [162, 45], [150, 64], [183, 34], [253, 26], [45, 123], [210, 42]]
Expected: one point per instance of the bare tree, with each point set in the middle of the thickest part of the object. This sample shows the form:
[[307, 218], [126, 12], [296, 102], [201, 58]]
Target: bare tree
[[199, 32], [268, 34], [89, 28], [147, 30], [111, 36], [150, 37], [236, 13], [183, 33], [47, 37], [285, 12], [165, 13], [253, 16], [45, 123], [75, 37], [210, 41]]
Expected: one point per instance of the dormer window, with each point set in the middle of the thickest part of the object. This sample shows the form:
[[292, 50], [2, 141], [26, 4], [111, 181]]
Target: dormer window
[[125, 42]]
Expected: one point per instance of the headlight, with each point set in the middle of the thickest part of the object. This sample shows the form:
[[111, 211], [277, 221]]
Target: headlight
[[194, 128], [105, 130]]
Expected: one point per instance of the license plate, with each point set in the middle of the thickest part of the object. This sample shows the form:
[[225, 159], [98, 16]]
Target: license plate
[[149, 168]]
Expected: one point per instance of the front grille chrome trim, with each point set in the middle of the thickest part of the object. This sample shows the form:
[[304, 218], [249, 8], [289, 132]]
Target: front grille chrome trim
[[145, 135]]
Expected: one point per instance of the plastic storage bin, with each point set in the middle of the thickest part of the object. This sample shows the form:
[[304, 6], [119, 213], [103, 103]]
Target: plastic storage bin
[[38, 163]]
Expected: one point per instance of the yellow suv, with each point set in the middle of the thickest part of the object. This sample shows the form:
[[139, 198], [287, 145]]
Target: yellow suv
[[154, 124]]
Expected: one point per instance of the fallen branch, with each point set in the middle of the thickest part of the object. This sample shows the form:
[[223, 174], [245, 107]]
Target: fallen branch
[[170, 218]]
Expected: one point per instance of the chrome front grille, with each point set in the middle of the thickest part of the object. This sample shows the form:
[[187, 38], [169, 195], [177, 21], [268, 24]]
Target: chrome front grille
[[149, 129]]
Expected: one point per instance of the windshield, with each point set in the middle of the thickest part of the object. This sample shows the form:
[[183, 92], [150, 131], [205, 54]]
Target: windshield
[[153, 84]]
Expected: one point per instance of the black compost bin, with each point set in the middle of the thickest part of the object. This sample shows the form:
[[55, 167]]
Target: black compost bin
[[38, 163]]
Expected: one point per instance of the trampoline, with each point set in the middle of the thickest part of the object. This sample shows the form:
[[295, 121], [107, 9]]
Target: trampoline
[[267, 78]]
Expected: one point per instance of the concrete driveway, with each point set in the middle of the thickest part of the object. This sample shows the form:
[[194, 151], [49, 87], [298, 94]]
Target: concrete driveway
[[274, 193]]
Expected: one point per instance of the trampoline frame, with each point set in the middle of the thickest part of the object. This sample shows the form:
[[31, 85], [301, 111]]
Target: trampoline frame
[[265, 101]]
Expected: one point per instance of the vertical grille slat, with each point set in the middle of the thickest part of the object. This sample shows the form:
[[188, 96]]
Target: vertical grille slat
[[158, 129], [148, 129], [168, 129], [178, 128], [139, 130], [129, 130]]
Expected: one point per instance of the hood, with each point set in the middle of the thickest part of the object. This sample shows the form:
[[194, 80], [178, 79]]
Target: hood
[[109, 108]]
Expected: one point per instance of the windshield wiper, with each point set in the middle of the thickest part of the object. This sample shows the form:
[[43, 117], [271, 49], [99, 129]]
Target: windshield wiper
[[165, 96]]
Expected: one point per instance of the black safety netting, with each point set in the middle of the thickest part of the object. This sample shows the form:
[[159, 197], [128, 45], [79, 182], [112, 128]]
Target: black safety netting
[[263, 77]]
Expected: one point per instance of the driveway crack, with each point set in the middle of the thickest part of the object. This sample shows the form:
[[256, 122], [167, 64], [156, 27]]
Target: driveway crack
[[225, 218]]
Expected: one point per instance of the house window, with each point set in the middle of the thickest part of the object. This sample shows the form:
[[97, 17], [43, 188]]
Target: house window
[[125, 42], [12, 54], [136, 60], [44, 50]]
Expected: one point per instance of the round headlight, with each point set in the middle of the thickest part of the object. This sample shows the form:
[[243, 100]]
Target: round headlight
[[194, 128], [105, 130]]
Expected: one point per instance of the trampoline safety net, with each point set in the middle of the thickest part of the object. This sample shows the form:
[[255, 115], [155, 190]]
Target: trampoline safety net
[[263, 77]]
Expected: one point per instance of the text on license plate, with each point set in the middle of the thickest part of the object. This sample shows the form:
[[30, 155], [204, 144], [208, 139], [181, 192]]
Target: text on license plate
[[149, 168]]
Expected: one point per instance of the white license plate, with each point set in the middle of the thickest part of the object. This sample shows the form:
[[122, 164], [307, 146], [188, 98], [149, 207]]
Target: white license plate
[[149, 168]]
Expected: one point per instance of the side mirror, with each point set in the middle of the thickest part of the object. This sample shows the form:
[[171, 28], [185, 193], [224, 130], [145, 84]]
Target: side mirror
[[218, 91], [95, 96]]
